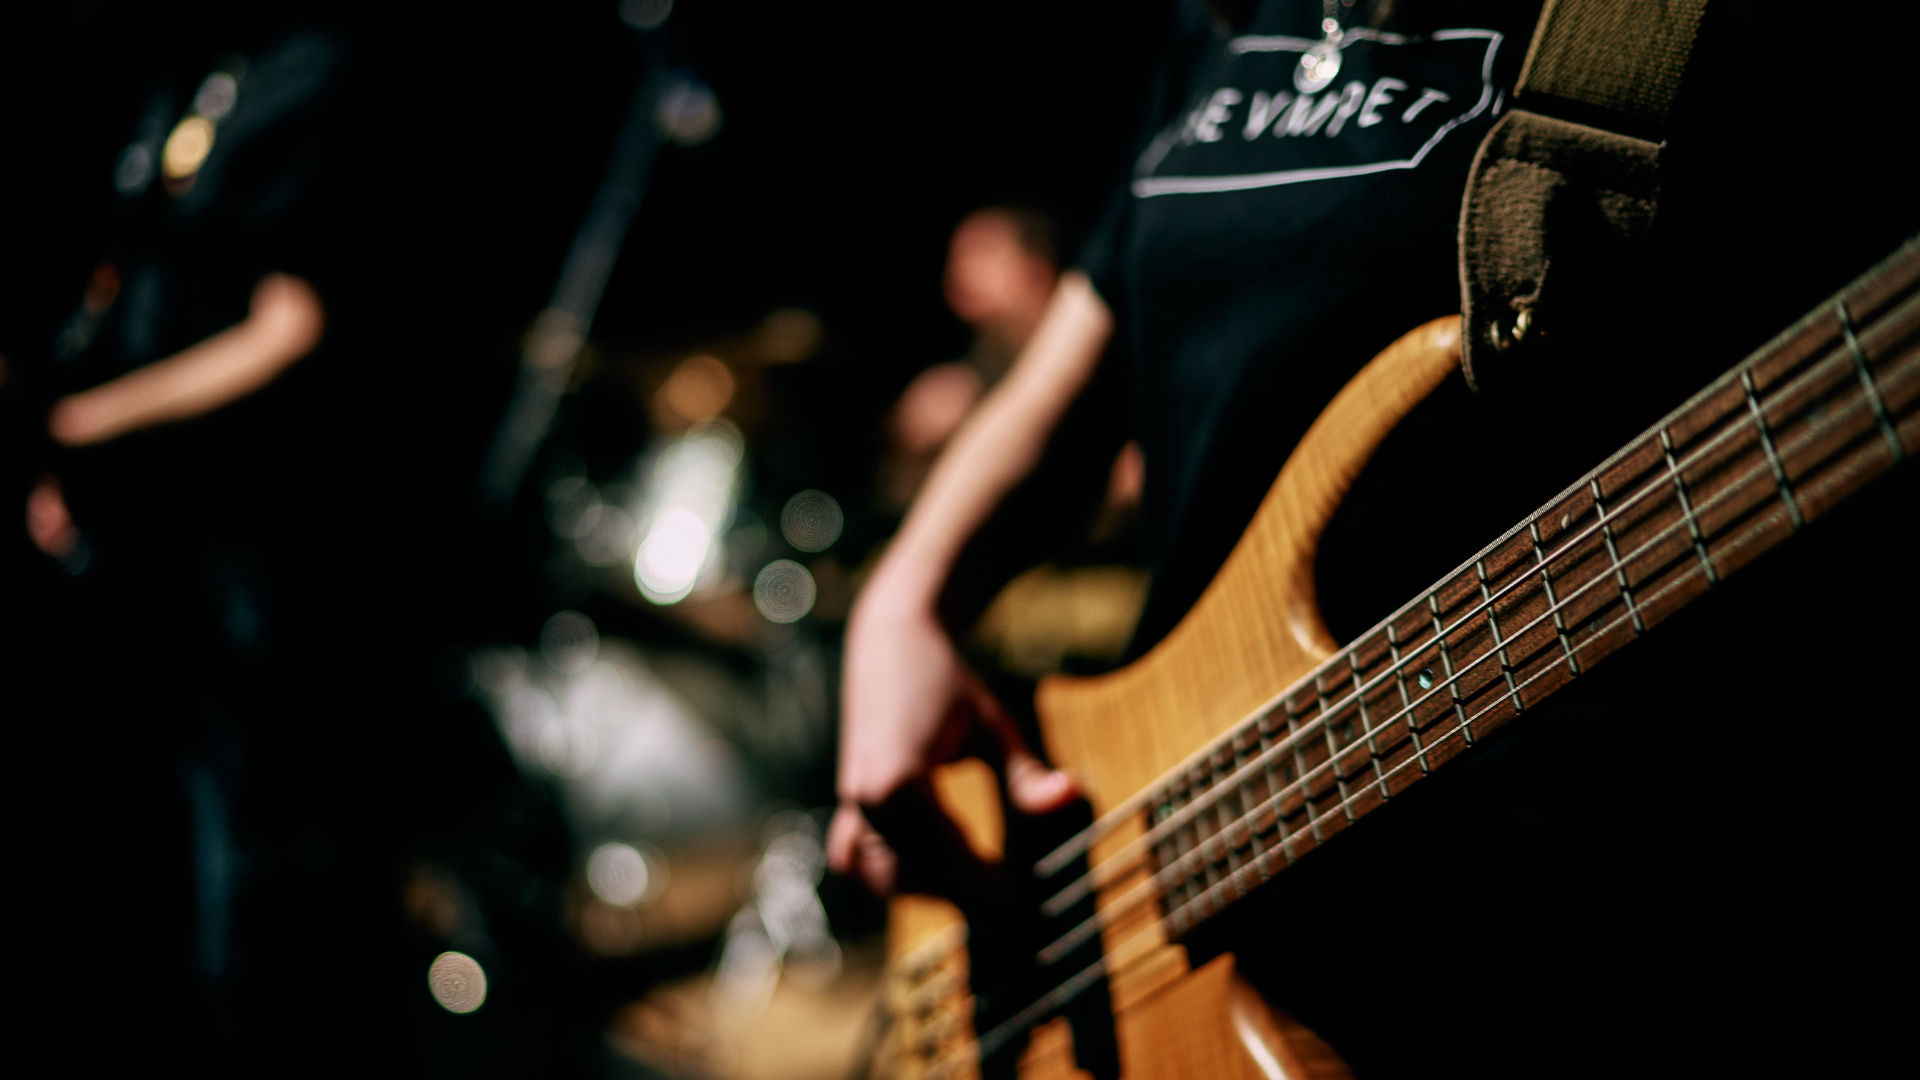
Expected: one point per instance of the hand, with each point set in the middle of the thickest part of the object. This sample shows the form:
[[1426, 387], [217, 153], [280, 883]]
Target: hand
[[908, 702]]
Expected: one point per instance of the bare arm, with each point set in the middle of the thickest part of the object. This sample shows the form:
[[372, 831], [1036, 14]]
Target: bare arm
[[283, 325], [906, 695]]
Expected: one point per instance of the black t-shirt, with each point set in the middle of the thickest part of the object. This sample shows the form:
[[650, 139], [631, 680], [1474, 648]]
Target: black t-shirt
[[1276, 234], [1657, 870]]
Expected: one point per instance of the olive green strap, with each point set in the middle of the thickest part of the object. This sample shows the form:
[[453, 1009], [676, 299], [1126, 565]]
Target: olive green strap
[[1609, 60], [1582, 144]]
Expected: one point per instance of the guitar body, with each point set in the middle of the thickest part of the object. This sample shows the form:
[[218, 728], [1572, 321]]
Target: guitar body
[[1256, 629]]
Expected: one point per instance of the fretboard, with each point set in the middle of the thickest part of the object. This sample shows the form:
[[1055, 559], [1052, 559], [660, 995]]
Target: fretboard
[[1764, 451]]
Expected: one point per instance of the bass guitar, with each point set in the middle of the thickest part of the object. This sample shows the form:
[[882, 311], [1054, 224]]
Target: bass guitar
[[1248, 737]]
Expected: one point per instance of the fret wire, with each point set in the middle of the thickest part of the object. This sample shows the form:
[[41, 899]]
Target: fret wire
[[1613, 555], [1373, 744], [1406, 701], [1865, 371], [1237, 821], [1300, 768], [1814, 371], [1333, 749], [1223, 824], [1261, 844], [1686, 575], [1133, 897], [1208, 872], [1493, 629], [1446, 659], [1603, 524], [1170, 856], [1553, 603], [1182, 847], [1773, 460], [1260, 748], [1085, 978], [1189, 834], [1239, 798], [1449, 683], [1281, 831], [1179, 917], [1143, 891], [1242, 797], [1686, 509], [1177, 921]]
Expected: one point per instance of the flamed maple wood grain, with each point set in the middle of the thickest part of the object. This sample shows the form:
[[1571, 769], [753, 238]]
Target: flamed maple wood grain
[[1255, 629], [1763, 451]]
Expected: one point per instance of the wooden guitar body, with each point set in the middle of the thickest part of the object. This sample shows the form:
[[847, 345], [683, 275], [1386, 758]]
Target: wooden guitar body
[[1255, 630], [1248, 737]]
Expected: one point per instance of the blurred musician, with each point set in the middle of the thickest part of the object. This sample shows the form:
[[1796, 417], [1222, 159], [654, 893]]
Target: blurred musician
[[1234, 309]]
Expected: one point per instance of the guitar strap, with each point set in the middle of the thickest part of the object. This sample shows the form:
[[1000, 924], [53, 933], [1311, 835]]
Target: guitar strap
[[1571, 174]]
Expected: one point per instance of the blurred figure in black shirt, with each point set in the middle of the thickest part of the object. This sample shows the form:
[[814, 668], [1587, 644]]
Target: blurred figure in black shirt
[[242, 466]]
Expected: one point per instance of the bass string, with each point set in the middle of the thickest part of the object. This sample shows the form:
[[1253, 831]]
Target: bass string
[[1191, 913], [1182, 869], [1180, 920], [1113, 818], [1820, 369]]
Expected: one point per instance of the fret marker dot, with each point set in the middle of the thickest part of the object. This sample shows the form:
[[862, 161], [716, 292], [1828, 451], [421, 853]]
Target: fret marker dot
[[1566, 520], [1344, 732], [1426, 679]]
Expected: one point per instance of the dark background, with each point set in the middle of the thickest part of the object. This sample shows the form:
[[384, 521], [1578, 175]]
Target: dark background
[[460, 148]]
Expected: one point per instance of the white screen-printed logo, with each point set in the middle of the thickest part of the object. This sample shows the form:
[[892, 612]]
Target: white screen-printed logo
[[1229, 115]]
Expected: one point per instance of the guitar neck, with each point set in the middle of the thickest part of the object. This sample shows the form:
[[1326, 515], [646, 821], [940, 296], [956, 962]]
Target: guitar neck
[[1765, 450]]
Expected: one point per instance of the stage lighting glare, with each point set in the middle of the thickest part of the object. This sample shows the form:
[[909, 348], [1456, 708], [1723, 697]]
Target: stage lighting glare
[[671, 556]]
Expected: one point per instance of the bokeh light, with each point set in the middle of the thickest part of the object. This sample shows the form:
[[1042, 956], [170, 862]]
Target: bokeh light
[[216, 96], [700, 388], [811, 521], [645, 14], [688, 112], [187, 148], [568, 747], [528, 711], [609, 542], [135, 169], [457, 982], [618, 874], [571, 501], [688, 503], [788, 335], [672, 554], [569, 643], [783, 591]]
